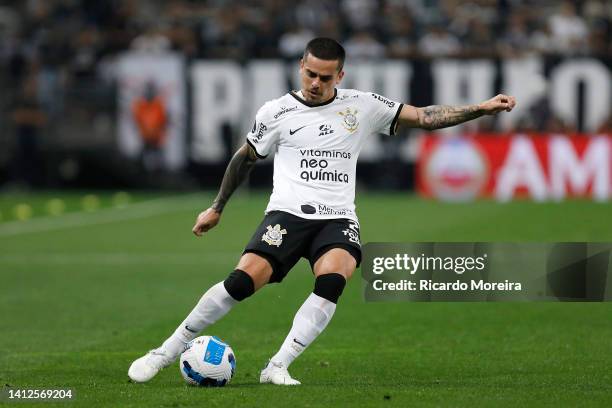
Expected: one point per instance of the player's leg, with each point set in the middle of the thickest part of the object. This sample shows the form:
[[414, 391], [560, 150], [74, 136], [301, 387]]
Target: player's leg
[[332, 269], [251, 273]]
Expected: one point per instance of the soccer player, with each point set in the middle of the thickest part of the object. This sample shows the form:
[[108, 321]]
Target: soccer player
[[316, 134]]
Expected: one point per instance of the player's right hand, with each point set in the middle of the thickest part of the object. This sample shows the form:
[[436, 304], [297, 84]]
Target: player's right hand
[[498, 104], [206, 220]]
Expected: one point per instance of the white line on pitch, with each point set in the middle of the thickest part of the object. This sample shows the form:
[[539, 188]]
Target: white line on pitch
[[119, 258], [131, 212]]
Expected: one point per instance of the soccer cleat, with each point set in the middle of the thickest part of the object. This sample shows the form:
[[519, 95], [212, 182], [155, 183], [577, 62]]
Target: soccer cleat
[[276, 373], [147, 366]]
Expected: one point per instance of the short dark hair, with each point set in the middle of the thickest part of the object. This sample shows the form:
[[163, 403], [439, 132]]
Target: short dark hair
[[327, 49]]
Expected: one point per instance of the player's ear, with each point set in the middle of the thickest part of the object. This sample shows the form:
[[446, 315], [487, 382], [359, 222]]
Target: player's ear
[[340, 76]]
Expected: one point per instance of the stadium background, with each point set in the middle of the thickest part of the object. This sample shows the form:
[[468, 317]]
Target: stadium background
[[96, 257]]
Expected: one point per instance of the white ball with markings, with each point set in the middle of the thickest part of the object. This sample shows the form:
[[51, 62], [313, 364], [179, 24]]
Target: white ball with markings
[[208, 362]]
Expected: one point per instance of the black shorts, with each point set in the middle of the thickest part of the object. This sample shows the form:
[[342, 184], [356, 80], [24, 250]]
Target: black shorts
[[284, 238]]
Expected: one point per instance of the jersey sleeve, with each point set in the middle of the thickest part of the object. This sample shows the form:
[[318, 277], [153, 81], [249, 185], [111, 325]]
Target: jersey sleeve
[[385, 113], [264, 134]]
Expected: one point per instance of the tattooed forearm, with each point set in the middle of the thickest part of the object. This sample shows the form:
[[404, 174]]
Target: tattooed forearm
[[441, 116], [236, 172]]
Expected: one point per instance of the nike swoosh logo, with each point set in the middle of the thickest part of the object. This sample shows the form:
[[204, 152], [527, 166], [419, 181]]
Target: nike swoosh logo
[[190, 329], [301, 344], [291, 132]]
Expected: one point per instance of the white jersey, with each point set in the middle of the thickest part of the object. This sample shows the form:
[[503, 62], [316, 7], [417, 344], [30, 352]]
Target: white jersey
[[316, 148]]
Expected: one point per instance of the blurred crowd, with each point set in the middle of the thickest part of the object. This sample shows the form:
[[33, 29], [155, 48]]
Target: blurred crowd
[[78, 33], [63, 40], [50, 47]]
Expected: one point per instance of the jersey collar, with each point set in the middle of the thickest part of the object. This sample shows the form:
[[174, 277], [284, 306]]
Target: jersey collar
[[314, 105]]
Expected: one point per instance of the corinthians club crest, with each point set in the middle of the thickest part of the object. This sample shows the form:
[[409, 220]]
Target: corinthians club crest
[[274, 236], [350, 121]]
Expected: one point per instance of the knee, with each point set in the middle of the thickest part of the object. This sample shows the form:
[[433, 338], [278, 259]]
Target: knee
[[330, 286], [348, 272], [344, 266], [257, 267], [239, 285]]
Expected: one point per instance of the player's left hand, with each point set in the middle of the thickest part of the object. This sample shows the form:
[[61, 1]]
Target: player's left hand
[[498, 103], [206, 220]]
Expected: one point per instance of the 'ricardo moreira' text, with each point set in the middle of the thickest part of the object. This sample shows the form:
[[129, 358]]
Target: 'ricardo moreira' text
[[314, 165]]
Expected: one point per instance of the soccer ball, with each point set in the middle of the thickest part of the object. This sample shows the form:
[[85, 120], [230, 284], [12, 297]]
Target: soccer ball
[[208, 362]]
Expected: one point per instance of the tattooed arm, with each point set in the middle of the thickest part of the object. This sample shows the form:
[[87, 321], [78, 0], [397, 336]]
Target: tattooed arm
[[237, 171], [441, 116]]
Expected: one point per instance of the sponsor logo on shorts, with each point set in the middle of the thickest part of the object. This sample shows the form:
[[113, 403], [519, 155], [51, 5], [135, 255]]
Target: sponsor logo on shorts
[[350, 122], [274, 235], [352, 232]]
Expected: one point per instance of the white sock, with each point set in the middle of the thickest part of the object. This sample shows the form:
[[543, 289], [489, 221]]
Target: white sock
[[213, 305], [309, 321]]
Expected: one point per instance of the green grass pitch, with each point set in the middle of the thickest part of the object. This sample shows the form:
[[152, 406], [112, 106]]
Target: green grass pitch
[[82, 294]]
